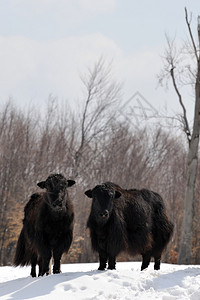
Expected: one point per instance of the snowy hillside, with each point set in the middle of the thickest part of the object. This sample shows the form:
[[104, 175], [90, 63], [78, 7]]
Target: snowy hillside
[[83, 281]]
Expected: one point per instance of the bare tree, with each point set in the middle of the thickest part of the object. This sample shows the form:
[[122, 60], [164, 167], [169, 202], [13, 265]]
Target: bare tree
[[183, 66], [100, 106], [16, 148]]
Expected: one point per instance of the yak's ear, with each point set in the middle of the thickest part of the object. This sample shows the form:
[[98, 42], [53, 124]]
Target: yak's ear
[[117, 194], [89, 193], [71, 182], [42, 184]]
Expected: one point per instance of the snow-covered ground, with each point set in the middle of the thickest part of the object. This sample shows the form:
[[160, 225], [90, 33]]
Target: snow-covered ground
[[83, 281]]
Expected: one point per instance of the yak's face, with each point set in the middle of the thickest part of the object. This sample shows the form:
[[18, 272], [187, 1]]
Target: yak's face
[[56, 185], [102, 202]]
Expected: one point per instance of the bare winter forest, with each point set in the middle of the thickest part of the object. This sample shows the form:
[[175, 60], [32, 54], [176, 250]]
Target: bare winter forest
[[93, 145]]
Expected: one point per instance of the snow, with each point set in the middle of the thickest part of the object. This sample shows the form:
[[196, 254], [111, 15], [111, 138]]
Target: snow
[[84, 281]]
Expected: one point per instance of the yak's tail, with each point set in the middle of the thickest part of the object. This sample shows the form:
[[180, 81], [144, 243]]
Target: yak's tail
[[20, 258]]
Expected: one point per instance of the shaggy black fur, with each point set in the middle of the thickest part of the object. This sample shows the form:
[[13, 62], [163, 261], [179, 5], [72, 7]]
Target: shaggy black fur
[[127, 220], [47, 226]]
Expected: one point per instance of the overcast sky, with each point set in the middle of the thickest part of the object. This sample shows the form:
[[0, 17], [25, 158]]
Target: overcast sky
[[46, 44]]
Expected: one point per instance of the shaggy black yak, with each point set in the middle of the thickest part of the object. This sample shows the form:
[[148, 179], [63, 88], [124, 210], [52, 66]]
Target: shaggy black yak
[[127, 220], [47, 226]]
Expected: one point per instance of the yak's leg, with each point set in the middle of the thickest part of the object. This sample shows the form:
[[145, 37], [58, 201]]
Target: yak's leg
[[45, 261], [33, 265], [57, 257], [103, 260], [40, 267], [145, 260], [157, 259], [111, 262]]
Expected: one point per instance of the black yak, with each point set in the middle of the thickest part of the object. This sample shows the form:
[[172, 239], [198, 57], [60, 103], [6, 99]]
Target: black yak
[[47, 226], [127, 220]]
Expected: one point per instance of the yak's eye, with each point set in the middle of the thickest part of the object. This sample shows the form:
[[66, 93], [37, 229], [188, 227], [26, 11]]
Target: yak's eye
[[62, 186]]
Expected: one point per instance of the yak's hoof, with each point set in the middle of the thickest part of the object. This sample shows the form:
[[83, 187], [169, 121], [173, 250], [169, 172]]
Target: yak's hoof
[[111, 268], [56, 271], [101, 269], [42, 273]]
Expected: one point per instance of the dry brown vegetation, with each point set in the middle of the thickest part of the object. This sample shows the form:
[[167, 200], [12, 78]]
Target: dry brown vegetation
[[30, 151]]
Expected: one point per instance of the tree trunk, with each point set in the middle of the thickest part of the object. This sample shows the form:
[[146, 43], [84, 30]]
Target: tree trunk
[[185, 250]]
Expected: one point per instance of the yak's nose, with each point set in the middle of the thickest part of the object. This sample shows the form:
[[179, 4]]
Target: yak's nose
[[104, 214], [57, 203]]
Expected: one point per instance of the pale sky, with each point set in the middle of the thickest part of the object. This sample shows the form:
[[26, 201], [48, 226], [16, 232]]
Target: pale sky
[[46, 44]]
